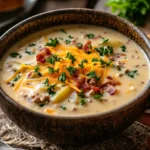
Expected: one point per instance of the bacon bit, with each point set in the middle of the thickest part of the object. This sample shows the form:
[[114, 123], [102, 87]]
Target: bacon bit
[[112, 58], [29, 74], [47, 51], [44, 52], [74, 42], [109, 78], [111, 89], [86, 87], [76, 74], [40, 58], [86, 47], [96, 89], [82, 84]]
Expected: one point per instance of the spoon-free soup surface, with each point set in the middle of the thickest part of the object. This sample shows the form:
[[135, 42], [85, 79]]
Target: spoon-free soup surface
[[74, 70]]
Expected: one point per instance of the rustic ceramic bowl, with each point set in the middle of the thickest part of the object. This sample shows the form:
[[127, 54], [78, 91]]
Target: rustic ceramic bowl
[[74, 130]]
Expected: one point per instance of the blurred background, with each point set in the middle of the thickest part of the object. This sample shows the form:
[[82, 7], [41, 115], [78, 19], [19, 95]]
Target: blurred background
[[13, 11]]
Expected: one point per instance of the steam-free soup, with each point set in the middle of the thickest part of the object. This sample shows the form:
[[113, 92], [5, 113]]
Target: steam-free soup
[[74, 70]]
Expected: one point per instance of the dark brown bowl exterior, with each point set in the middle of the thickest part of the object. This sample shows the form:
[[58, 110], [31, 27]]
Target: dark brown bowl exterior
[[73, 130]]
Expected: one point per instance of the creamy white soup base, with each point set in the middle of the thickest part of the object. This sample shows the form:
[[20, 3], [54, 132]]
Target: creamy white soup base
[[74, 70]]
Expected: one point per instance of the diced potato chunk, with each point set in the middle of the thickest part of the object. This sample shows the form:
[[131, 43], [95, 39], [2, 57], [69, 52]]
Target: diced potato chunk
[[62, 95]]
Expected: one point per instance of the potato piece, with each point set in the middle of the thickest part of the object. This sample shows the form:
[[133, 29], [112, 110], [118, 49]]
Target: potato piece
[[74, 98], [62, 94]]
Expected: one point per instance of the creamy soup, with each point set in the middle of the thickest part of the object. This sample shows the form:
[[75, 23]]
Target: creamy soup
[[74, 70]]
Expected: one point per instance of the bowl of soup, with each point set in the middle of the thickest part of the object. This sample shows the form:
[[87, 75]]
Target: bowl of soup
[[74, 76]]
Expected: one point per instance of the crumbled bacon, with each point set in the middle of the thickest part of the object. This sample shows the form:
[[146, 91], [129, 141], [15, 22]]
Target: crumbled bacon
[[111, 89], [109, 78], [96, 89], [41, 56], [87, 46], [29, 74]]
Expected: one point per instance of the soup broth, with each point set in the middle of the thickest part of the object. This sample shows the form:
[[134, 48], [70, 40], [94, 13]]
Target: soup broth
[[74, 70]]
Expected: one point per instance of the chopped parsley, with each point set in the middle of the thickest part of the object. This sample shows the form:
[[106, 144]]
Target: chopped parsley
[[71, 70], [31, 44], [68, 41], [15, 54], [92, 74], [29, 52], [16, 78], [81, 65], [61, 38], [36, 70], [123, 48], [52, 42], [64, 107], [51, 70], [79, 45], [104, 41], [102, 61], [98, 96], [105, 50], [71, 57], [46, 82], [81, 94], [53, 58], [90, 36], [62, 77], [42, 104], [83, 101], [50, 89], [70, 37], [133, 73], [62, 30]]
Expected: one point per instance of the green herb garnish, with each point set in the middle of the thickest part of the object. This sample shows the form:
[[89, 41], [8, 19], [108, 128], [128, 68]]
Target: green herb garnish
[[62, 77], [105, 50], [83, 101], [50, 89], [98, 96], [42, 104], [71, 57], [70, 37], [52, 70], [102, 61], [16, 78], [92, 74], [15, 54], [90, 36], [53, 58], [52, 42], [123, 48], [81, 94], [104, 41], [79, 45], [81, 65], [133, 73], [36, 70], [64, 107], [68, 41], [46, 82], [29, 52], [31, 44], [62, 30], [71, 70]]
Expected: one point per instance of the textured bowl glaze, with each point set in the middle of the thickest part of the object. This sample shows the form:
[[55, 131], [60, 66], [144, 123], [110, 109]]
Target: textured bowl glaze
[[73, 130]]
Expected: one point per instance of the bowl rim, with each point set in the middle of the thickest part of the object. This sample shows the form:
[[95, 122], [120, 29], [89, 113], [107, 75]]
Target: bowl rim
[[93, 115]]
